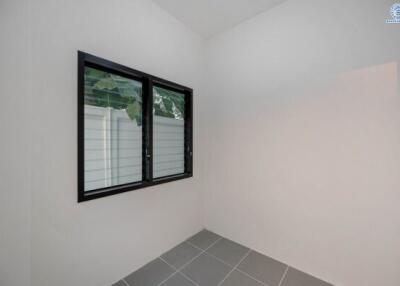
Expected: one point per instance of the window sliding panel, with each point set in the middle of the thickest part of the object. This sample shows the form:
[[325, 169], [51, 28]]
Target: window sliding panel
[[112, 129], [168, 132]]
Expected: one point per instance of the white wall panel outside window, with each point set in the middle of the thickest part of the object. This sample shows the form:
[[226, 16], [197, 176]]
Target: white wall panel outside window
[[113, 131], [168, 132]]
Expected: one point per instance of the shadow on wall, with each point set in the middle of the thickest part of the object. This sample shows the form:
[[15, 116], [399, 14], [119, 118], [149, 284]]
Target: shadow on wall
[[383, 80]]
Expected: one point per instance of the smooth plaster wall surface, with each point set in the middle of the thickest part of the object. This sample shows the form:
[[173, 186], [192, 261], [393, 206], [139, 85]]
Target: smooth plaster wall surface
[[303, 145], [98, 242], [296, 140], [14, 144]]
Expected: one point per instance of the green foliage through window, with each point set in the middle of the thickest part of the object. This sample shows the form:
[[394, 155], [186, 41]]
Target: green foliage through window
[[104, 89], [168, 103]]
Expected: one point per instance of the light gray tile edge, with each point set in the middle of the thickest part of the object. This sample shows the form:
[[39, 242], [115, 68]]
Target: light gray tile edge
[[181, 276], [180, 254], [241, 276], [216, 249], [204, 239], [295, 271], [189, 269], [120, 283], [145, 269]]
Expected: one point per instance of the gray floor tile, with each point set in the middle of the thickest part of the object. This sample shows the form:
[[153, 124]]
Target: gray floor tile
[[206, 270], [180, 254], [178, 280], [229, 251], [119, 283], [295, 277], [204, 239], [238, 279], [211, 267], [151, 274], [263, 268]]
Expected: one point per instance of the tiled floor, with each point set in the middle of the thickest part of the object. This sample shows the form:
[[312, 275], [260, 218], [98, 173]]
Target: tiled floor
[[207, 259]]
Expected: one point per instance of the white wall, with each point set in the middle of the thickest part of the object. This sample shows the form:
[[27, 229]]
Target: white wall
[[100, 241], [303, 156], [296, 140], [14, 144]]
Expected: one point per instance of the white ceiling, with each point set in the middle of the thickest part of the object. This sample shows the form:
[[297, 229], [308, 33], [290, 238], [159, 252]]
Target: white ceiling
[[210, 17]]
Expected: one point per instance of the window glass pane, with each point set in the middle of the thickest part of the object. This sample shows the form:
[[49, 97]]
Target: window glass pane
[[168, 132], [113, 129]]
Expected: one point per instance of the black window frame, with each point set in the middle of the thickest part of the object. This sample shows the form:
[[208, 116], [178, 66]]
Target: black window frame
[[148, 81]]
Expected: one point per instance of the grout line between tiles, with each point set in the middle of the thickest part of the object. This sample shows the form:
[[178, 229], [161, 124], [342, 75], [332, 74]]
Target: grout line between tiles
[[187, 263], [222, 261], [255, 279], [188, 278], [172, 274], [165, 280], [237, 269], [202, 251], [284, 275], [188, 242], [178, 271], [233, 269]]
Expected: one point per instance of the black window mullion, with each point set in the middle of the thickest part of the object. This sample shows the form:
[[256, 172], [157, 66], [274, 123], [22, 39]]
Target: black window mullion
[[148, 126], [188, 132], [144, 129]]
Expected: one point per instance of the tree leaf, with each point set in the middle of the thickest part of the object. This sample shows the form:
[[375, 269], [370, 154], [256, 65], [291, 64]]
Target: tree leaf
[[134, 112]]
